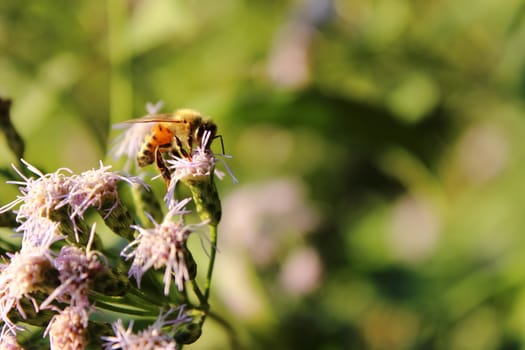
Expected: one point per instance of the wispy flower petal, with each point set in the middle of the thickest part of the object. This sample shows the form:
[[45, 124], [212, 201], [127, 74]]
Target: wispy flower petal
[[163, 246], [153, 337], [91, 188], [8, 339], [129, 142], [200, 167], [41, 195]]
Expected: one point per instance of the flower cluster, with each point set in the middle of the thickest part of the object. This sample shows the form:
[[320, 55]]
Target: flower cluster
[[38, 278], [42, 199], [62, 275]]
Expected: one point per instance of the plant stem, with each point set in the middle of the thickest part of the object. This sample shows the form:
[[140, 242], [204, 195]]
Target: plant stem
[[120, 89], [232, 335], [213, 241], [202, 300]]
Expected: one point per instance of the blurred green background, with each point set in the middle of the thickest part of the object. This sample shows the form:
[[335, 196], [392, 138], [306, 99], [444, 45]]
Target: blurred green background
[[380, 148]]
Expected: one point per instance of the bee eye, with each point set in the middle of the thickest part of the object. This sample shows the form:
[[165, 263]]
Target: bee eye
[[200, 132]]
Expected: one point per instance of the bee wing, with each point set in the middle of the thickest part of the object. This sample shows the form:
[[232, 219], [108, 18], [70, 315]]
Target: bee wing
[[150, 118]]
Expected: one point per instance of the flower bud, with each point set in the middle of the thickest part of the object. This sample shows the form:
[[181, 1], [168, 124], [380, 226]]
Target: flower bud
[[146, 202], [8, 219], [117, 218], [189, 332], [111, 283], [190, 263], [205, 197]]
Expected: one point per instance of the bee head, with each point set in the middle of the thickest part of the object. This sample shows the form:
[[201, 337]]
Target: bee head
[[209, 126]]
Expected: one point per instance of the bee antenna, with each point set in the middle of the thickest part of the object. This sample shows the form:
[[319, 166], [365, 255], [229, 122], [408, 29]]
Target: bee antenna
[[222, 142]]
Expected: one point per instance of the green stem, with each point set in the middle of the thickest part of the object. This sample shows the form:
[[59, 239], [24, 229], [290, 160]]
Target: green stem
[[139, 295], [117, 308], [120, 89], [213, 241], [234, 341], [13, 138], [202, 300]]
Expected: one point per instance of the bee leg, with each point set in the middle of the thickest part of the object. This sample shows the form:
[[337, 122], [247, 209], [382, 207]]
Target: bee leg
[[180, 149], [163, 168], [222, 143]]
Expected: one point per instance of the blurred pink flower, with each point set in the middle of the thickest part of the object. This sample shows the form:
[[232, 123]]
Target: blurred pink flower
[[262, 217], [301, 271]]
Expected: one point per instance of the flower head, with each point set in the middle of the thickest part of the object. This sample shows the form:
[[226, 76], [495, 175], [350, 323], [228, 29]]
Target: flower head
[[200, 167], [8, 340], [151, 338], [77, 268], [24, 274], [164, 245], [39, 231], [67, 330], [92, 187], [201, 163], [41, 195]]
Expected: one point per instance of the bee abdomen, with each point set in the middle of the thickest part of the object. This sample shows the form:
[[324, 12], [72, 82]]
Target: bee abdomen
[[145, 157]]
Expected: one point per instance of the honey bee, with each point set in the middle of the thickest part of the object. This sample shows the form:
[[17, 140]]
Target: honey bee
[[179, 132]]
